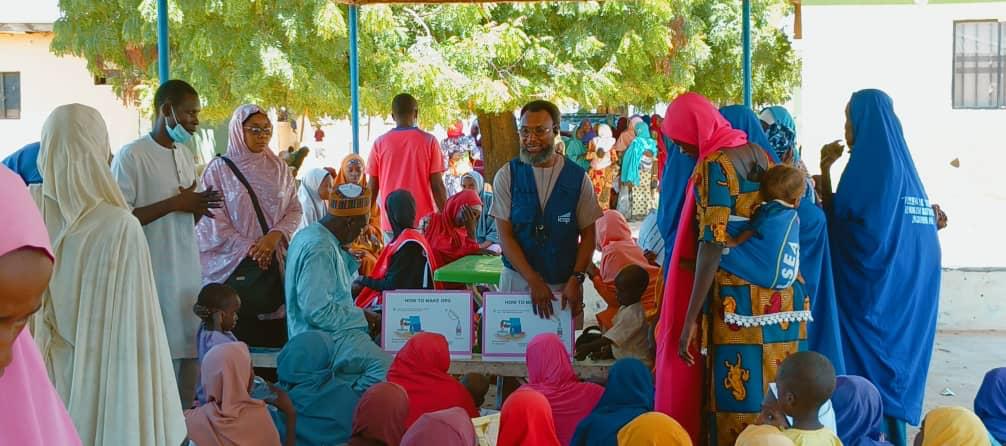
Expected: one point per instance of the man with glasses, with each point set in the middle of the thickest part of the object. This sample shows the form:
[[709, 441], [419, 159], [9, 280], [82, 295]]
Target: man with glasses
[[157, 176], [410, 159], [545, 211]]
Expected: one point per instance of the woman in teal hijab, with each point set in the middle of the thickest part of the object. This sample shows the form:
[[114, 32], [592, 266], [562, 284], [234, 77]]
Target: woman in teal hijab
[[324, 378], [637, 171]]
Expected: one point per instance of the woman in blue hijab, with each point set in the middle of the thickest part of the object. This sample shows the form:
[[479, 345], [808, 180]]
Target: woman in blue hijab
[[324, 378], [824, 334], [859, 412], [886, 257], [744, 119], [629, 394]]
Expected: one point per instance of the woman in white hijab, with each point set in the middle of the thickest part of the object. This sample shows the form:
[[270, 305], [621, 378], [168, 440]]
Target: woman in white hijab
[[312, 193], [100, 329]]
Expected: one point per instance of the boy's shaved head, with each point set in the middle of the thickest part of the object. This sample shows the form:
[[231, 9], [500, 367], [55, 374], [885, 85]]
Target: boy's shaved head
[[809, 377], [630, 284]]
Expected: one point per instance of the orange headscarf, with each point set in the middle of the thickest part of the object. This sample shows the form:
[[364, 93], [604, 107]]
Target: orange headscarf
[[371, 240], [344, 167], [526, 419]]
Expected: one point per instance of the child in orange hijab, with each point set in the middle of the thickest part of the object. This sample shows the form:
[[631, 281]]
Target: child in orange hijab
[[368, 246]]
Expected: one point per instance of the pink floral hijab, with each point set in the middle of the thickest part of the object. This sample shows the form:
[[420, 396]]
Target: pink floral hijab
[[224, 240]]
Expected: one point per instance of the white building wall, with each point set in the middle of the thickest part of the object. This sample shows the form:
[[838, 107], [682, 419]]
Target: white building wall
[[48, 81], [908, 52]]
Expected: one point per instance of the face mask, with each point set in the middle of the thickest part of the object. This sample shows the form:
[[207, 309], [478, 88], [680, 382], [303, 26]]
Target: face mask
[[178, 133]]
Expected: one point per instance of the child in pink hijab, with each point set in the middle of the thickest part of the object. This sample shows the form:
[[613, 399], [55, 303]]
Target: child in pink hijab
[[550, 372], [31, 413], [231, 417]]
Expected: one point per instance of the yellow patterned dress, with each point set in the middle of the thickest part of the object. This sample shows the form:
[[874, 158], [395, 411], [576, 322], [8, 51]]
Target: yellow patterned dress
[[748, 330]]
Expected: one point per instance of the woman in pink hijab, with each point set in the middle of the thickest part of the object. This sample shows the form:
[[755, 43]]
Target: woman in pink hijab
[[31, 413], [550, 372], [236, 242], [750, 329], [231, 417], [448, 427]]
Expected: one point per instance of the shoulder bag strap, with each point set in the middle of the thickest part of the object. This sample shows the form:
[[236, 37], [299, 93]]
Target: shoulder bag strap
[[251, 193]]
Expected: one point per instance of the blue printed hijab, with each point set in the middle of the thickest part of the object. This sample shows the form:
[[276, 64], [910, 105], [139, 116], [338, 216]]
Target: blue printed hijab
[[629, 394], [744, 119], [781, 131], [886, 259]]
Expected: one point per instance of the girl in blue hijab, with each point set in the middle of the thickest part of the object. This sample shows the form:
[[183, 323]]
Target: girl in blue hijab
[[886, 257], [324, 378], [629, 394]]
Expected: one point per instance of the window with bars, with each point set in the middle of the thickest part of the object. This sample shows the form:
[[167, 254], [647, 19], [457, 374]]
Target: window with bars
[[979, 64], [10, 95]]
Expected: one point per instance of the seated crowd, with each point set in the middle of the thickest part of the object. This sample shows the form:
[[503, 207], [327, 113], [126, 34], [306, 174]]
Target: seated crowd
[[301, 266]]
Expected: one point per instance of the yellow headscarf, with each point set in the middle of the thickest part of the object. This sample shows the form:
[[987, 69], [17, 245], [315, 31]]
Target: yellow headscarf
[[953, 425], [763, 436], [653, 429], [341, 177]]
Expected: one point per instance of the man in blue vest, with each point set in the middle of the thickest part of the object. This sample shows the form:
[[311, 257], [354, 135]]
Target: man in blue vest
[[545, 209]]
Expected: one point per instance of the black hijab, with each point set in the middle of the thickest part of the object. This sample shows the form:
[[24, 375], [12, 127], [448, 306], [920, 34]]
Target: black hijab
[[401, 210]]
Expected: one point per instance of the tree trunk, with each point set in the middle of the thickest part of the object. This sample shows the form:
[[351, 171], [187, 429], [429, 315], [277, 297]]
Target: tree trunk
[[500, 142]]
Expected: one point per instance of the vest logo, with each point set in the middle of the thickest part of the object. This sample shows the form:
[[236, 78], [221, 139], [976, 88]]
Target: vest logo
[[566, 218]]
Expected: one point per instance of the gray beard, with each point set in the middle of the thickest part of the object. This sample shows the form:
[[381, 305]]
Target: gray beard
[[538, 158]]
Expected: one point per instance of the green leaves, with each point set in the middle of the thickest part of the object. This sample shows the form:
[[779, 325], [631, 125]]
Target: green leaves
[[455, 59]]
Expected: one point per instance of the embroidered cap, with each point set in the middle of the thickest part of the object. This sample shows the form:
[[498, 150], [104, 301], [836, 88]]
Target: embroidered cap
[[349, 200]]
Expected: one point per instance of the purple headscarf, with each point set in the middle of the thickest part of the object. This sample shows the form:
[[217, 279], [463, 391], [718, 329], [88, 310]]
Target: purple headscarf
[[225, 239], [450, 427], [859, 412], [990, 403]]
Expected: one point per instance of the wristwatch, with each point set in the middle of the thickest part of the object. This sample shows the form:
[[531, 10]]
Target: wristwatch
[[580, 276]]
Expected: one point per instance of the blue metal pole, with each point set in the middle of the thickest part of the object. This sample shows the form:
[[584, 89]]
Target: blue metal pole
[[746, 38], [354, 75], [162, 41]]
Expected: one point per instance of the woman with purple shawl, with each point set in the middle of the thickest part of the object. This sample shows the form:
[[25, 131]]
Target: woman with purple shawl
[[240, 247], [859, 412]]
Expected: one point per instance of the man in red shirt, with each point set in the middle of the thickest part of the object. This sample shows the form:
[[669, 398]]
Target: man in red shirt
[[407, 158]]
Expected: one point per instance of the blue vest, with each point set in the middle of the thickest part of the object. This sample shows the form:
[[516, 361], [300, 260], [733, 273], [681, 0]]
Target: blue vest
[[549, 238]]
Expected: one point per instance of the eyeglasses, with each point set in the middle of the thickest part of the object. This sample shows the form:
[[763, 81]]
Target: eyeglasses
[[536, 131], [259, 131]]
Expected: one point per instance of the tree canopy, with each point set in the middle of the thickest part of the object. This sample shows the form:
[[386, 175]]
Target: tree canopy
[[456, 59]]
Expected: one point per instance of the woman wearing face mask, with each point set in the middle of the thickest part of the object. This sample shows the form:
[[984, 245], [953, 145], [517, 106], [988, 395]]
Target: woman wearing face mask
[[245, 243]]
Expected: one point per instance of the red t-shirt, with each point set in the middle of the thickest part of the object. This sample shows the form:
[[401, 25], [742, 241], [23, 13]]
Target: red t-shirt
[[404, 158]]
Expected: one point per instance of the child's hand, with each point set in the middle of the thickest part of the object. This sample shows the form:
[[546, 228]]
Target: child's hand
[[771, 414], [282, 401]]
